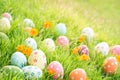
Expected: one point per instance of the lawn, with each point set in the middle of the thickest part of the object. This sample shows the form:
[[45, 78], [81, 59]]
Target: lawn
[[103, 16]]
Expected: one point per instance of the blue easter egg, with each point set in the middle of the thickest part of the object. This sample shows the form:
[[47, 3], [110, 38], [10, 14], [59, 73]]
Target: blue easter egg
[[18, 59], [61, 28]]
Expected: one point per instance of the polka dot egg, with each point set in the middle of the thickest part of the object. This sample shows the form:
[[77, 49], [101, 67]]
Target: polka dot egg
[[115, 50], [56, 70], [77, 74], [18, 59], [37, 58], [61, 28], [102, 48], [110, 65], [32, 72], [28, 23], [62, 41], [8, 16], [83, 49]]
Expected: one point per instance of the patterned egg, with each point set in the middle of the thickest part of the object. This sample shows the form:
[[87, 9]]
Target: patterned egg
[[18, 59], [102, 47], [37, 58], [32, 72], [3, 36], [8, 16], [77, 74], [110, 65], [62, 41], [83, 49], [11, 71], [56, 70], [115, 50], [49, 44], [28, 23], [4, 25], [31, 43], [61, 28]]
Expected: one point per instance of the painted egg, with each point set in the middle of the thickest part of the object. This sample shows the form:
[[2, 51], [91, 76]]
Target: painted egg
[[83, 49], [3, 36], [4, 24], [63, 41], [56, 70], [28, 23], [110, 65], [32, 72], [31, 43], [13, 71], [37, 58], [61, 28], [8, 16], [49, 44], [77, 74], [102, 47], [115, 50], [18, 59]]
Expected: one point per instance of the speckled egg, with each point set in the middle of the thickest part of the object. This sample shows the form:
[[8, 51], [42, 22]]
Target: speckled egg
[[18, 59], [32, 72], [56, 70], [102, 47], [4, 24], [61, 28], [49, 44], [11, 71], [77, 74], [8, 16], [3, 36], [28, 23], [31, 43], [83, 49], [63, 41], [37, 58], [115, 50], [110, 65]]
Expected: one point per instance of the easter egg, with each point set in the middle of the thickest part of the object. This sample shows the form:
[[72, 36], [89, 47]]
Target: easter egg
[[8, 16], [61, 28], [11, 71], [56, 70], [37, 58], [110, 65], [18, 59], [4, 24], [32, 72], [3, 36], [115, 50], [102, 47], [77, 74], [49, 44], [31, 43], [62, 41], [27, 29], [83, 49], [28, 23]]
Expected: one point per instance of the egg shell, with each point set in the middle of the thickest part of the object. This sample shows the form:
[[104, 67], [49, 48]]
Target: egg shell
[[115, 50], [12, 71], [8, 16], [4, 24], [32, 72], [62, 41], [57, 68], [31, 43], [49, 44], [83, 49], [77, 74], [3, 36], [61, 28], [110, 65], [18, 59], [28, 23], [102, 47], [37, 58]]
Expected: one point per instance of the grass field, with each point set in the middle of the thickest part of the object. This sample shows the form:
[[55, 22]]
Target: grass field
[[103, 16]]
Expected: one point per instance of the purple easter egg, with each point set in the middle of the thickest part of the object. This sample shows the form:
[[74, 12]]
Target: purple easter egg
[[83, 49]]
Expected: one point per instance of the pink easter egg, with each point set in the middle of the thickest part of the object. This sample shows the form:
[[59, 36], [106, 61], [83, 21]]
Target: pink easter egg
[[115, 50], [63, 41], [56, 70], [8, 16], [83, 49]]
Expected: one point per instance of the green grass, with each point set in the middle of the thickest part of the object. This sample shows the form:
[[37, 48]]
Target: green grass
[[103, 16]]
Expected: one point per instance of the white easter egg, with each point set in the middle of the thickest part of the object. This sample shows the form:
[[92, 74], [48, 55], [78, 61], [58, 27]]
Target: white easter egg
[[8, 16], [28, 23], [61, 28]]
